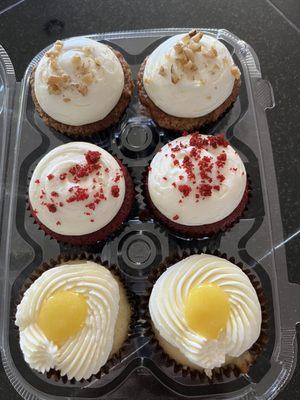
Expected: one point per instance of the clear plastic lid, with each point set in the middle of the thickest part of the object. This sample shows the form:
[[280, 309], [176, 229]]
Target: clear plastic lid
[[257, 239]]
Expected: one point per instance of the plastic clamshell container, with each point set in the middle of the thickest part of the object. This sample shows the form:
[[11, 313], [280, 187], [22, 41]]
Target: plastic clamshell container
[[256, 240]]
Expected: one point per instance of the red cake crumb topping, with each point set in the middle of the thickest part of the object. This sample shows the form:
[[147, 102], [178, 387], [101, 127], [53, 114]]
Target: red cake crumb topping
[[58, 223], [185, 190], [205, 190], [54, 194], [196, 165], [79, 194], [115, 191], [221, 160], [37, 181], [62, 176], [176, 217], [51, 207], [221, 178], [50, 176], [92, 156]]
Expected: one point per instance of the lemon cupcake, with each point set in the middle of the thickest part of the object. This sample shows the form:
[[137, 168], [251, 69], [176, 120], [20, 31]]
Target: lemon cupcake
[[206, 314], [72, 319]]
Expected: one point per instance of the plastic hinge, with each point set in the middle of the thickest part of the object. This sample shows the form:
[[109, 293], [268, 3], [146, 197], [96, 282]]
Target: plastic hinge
[[14, 380], [6, 62], [264, 94]]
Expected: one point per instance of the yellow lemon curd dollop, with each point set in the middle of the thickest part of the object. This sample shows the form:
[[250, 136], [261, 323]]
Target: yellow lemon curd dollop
[[207, 310], [62, 315]]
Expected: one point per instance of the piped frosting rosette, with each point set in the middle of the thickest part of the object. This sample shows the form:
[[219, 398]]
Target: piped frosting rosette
[[93, 288], [171, 310]]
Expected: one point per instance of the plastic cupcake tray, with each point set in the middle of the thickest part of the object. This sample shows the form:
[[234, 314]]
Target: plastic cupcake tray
[[142, 244]]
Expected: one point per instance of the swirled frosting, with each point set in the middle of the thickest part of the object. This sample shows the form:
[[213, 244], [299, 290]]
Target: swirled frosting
[[76, 189], [197, 179], [85, 353], [189, 77], [169, 296], [78, 81]]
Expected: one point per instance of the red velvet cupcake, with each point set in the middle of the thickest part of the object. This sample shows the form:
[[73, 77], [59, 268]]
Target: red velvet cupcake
[[80, 194], [197, 185]]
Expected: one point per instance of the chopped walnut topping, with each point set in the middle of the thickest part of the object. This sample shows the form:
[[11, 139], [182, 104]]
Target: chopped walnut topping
[[53, 64], [57, 83], [147, 81], [178, 48], [185, 53], [76, 60], [189, 54], [235, 72], [190, 66], [198, 37], [211, 53], [82, 89], [66, 99], [98, 62], [225, 60], [58, 45], [174, 76], [88, 51], [88, 78], [195, 46], [162, 71], [192, 33]]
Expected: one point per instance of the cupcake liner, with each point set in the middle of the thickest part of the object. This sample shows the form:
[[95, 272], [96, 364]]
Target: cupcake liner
[[88, 130], [198, 231], [115, 225], [226, 371], [116, 358]]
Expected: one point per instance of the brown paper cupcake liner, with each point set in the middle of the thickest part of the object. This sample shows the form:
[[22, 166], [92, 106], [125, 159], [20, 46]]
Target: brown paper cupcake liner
[[108, 231], [116, 358], [198, 231], [228, 370], [97, 127]]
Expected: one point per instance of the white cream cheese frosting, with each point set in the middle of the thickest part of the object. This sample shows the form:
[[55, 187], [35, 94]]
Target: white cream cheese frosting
[[197, 179], [85, 353], [78, 81], [76, 189], [195, 88], [167, 302]]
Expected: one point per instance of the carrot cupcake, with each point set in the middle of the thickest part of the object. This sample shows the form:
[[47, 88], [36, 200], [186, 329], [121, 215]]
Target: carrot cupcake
[[188, 81], [80, 194], [81, 86], [206, 313], [197, 185], [73, 318]]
